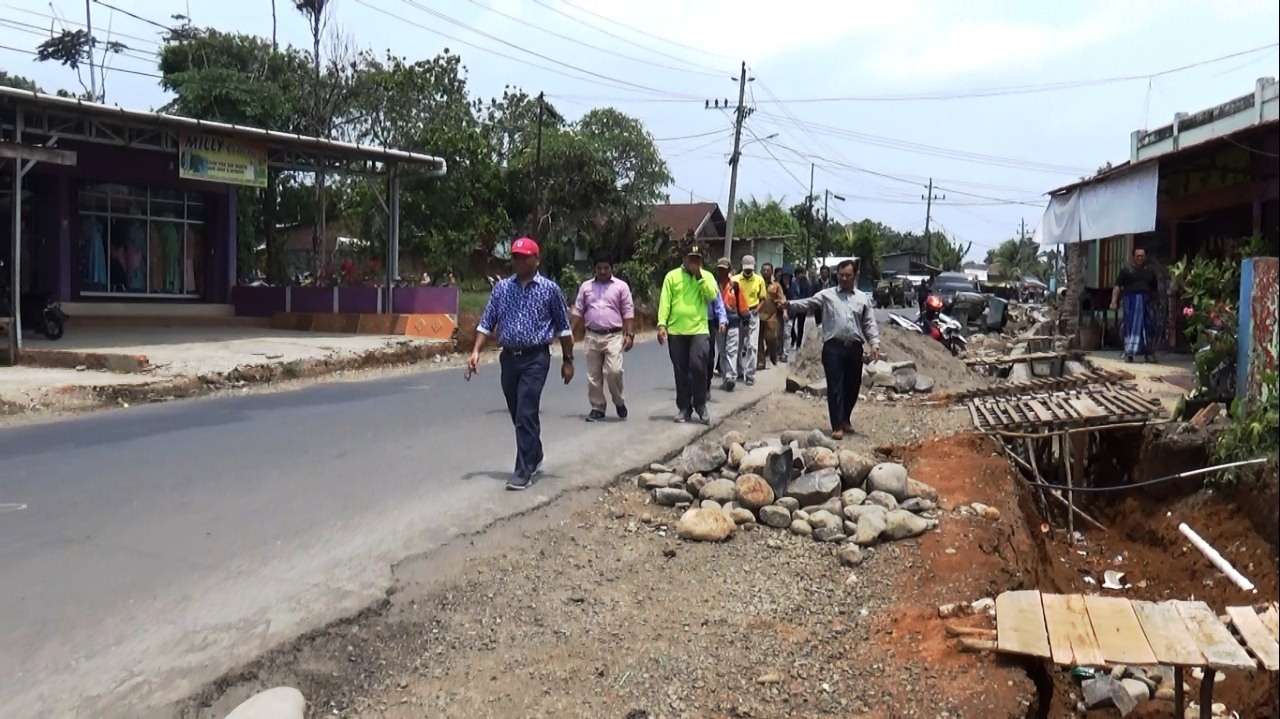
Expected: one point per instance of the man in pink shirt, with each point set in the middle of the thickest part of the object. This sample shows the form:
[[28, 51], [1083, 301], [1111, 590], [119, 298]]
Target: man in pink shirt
[[604, 311]]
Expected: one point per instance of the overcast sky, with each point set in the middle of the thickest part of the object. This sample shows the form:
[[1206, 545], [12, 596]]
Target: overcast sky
[[998, 101]]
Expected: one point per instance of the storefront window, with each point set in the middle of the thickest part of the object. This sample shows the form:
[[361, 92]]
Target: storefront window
[[137, 241]]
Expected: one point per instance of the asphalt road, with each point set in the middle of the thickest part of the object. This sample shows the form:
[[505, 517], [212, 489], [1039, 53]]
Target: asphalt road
[[147, 550]]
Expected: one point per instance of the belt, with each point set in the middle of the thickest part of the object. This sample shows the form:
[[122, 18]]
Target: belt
[[847, 344], [522, 351], [610, 331]]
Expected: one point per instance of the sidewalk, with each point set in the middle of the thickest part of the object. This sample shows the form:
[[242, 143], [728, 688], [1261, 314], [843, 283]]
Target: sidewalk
[[160, 363], [1170, 378]]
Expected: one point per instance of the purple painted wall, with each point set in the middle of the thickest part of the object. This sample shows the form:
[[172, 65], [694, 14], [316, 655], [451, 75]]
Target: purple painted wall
[[266, 301], [104, 163], [426, 300]]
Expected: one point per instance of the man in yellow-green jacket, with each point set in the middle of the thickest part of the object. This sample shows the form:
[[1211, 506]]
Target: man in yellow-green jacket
[[682, 327]]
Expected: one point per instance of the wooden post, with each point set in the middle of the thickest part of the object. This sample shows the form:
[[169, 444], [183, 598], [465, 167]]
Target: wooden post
[[1179, 696], [1065, 453]]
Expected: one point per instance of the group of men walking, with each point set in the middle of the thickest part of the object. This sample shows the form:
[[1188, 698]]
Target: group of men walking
[[712, 323], [718, 323]]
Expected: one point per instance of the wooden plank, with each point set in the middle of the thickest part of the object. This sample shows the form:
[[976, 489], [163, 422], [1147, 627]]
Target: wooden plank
[[1041, 412], [1020, 624], [1219, 648], [1168, 635], [1256, 636], [1271, 620], [1119, 635], [1070, 633], [1087, 407], [11, 151]]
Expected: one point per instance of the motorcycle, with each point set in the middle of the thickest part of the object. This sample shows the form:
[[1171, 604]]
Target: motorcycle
[[39, 311], [936, 324]]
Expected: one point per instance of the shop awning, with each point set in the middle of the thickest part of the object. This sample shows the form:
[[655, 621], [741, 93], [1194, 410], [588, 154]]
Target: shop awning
[[1121, 202]]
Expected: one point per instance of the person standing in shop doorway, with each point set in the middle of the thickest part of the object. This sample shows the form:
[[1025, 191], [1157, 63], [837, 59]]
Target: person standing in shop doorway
[[604, 314], [527, 311], [682, 327], [1136, 286], [848, 324]]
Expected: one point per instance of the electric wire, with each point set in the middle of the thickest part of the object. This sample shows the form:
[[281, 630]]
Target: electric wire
[[586, 44]]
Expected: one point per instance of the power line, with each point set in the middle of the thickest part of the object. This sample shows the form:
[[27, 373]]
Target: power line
[[452, 21], [114, 69], [934, 151], [989, 92], [43, 32], [589, 45], [708, 133], [46, 16], [491, 51], [132, 15], [633, 43], [646, 34]]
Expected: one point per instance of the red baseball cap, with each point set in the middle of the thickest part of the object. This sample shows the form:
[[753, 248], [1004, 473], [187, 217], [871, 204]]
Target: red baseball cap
[[524, 246]]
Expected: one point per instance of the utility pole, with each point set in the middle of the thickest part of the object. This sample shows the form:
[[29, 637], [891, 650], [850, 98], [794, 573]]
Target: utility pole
[[808, 222], [739, 116], [826, 221], [537, 172], [1022, 230], [928, 217], [93, 76]]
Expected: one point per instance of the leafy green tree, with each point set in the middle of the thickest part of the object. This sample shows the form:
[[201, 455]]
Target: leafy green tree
[[1015, 258], [753, 218], [245, 80], [17, 81], [76, 48]]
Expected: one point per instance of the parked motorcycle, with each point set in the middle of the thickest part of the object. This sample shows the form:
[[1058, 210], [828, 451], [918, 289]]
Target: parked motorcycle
[[40, 312], [937, 324]]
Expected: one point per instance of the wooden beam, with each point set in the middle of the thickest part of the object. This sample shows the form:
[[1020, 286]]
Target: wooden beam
[[14, 151]]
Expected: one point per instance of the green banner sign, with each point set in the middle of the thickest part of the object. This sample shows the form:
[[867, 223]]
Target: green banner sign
[[217, 159]]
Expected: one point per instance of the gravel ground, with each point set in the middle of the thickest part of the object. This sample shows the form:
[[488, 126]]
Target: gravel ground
[[602, 612]]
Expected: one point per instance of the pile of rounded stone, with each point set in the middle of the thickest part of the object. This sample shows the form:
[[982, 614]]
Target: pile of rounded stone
[[801, 482]]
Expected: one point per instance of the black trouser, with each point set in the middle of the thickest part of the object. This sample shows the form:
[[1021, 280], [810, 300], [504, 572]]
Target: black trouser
[[689, 362], [713, 327], [797, 329], [524, 373], [842, 363]]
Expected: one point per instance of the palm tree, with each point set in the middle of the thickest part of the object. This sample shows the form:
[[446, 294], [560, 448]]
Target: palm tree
[[1016, 258]]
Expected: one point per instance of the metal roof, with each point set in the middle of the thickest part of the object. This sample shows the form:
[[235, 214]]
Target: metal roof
[[272, 138]]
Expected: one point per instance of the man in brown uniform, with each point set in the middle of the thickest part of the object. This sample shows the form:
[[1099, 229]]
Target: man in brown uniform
[[771, 317]]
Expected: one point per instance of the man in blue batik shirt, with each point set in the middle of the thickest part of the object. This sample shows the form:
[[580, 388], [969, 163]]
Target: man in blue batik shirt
[[527, 311]]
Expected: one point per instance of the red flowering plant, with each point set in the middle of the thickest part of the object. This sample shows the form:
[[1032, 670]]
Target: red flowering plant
[[1210, 289], [348, 272]]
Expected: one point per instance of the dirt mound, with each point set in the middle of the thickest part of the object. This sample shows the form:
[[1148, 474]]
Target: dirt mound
[[931, 358], [950, 374]]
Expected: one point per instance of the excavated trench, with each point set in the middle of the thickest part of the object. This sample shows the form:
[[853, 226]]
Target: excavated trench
[[1142, 540]]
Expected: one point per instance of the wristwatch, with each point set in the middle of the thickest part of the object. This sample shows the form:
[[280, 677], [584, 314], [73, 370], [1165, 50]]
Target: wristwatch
[[568, 359]]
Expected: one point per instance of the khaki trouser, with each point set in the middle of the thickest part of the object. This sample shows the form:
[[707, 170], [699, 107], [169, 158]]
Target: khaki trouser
[[767, 349], [604, 365]]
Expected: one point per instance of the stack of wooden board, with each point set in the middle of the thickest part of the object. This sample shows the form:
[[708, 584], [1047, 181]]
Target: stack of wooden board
[[1095, 631]]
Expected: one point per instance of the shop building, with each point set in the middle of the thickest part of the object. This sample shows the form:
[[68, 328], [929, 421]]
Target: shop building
[[124, 212]]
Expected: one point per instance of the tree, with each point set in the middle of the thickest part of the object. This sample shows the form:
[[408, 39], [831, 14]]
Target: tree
[[753, 218], [245, 80], [864, 240], [322, 114], [17, 81], [74, 48], [1017, 257]]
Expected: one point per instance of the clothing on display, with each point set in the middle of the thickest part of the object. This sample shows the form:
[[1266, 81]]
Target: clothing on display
[[172, 251], [97, 259]]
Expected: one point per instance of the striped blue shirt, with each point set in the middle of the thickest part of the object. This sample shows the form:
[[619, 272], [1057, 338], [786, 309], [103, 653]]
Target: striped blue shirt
[[525, 317]]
